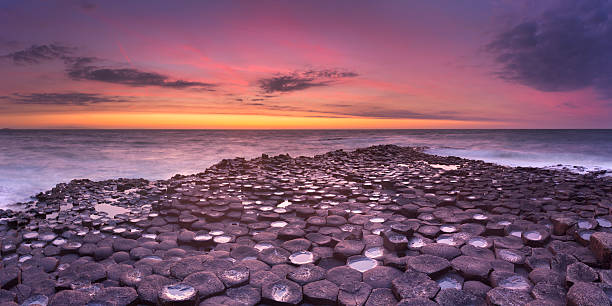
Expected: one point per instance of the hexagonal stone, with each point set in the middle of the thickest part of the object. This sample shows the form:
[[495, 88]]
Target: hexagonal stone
[[381, 297], [509, 280], [381, 276], [8, 276], [585, 294], [476, 288], [429, 264], [125, 245], [549, 292], [601, 245], [440, 249], [149, 288], [347, 248], [579, 272], [354, 293], [260, 278], [119, 296], [472, 267], [205, 283], [306, 273], [295, 245], [177, 294], [343, 274], [544, 275], [417, 302], [274, 256], [245, 295], [413, 284], [282, 292], [455, 297], [508, 297], [70, 298], [219, 300], [234, 277], [322, 292]]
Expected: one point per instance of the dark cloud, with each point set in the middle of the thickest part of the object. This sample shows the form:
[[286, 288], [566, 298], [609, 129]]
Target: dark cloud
[[74, 98], [38, 53], [88, 6], [89, 68], [302, 80], [567, 48]]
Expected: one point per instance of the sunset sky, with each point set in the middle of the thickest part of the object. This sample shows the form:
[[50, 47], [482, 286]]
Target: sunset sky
[[306, 64]]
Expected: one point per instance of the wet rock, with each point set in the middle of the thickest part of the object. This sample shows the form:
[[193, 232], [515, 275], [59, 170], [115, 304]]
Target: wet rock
[[417, 302], [234, 277], [36, 300], [476, 288], [274, 256], [361, 263], [545, 275], [586, 294], [205, 283], [124, 245], [8, 276], [177, 294], [439, 249], [509, 280], [322, 292], [429, 264], [282, 292], [413, 284], [149, 288], [306, 273]]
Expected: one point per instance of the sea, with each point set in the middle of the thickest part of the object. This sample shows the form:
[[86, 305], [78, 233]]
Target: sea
[[32, 161]]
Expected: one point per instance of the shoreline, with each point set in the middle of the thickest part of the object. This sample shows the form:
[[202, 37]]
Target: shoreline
[[343, 226]]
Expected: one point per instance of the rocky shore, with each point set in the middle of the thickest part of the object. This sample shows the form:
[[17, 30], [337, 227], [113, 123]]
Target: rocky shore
[[384, 225]]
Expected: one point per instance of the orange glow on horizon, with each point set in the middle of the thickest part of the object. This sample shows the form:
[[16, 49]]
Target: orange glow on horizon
[[222, 121]]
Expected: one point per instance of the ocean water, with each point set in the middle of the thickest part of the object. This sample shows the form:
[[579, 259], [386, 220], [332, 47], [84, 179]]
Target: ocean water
[[35, 160]]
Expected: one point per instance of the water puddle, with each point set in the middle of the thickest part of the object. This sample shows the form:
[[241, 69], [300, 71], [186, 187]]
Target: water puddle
[[111, 210], [301, 258], [362, 263]]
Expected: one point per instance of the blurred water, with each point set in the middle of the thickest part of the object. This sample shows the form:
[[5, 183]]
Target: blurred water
[[35, 160]]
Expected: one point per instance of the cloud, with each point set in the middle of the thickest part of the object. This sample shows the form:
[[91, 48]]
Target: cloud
[[566, 48], [89, 68], [73, 98], [302, 80], [37, 54], [88, 6], [130, 77]]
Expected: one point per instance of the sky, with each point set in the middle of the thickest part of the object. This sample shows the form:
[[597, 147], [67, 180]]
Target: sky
[[306, 64]]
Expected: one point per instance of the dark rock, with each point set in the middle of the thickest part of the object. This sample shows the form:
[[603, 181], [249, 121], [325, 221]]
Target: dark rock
[[306, 273], [70, 298], [149, 288], [205, 283], [586, 294], [282, 292], [347, 248], [601, 245], [260, 278], [321, 292], [413, 284], [455, 297], [177, 295], [120, 296], [443, 250], [381, 276], [549, 292], [508, 297], [354, 293], [381, 297], [245, 295], [472, 268], [343, 274], [429, 264], [579, 272], [234, 277]]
